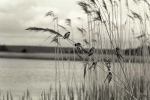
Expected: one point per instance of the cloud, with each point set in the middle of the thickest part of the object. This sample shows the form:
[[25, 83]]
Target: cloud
[[17, 15]]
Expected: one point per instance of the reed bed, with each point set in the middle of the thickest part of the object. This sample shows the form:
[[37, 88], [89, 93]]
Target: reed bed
[[103, 22], [102, 79], [81, 92]]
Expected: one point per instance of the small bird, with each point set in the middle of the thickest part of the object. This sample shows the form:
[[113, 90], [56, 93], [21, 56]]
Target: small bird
[[66, 36], [85, 51], [109, 77], [79, 47], [107, 63], [119, 56], [77, 44], [91, 51], [93, 65]]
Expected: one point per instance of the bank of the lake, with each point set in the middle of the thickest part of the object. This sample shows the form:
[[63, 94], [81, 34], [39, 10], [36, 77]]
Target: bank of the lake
[[66, 56]]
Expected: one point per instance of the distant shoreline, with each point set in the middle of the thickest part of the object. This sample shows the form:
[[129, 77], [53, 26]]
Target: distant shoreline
[[53, 56]]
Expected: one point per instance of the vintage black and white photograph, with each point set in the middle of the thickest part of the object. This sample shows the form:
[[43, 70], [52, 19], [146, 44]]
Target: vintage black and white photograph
[[74, 49]]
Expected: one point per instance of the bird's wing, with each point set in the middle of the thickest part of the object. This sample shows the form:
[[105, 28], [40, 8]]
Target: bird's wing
[[79, 55]]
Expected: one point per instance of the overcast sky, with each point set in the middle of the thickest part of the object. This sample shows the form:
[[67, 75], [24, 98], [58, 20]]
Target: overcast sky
[[17, 15]]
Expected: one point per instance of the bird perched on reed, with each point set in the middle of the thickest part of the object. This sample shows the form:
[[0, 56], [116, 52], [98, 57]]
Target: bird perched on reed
[[109, 77], [91, 51], [107, 63], [78, 47], [93, 65], [85, 51], [77, 44], [117, 51], [66, 36]]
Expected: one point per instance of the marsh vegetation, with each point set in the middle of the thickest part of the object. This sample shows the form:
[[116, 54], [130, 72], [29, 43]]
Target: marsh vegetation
[[121, 81]]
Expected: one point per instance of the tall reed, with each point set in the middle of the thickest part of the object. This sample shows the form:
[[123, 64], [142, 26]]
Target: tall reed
[[105, 22]]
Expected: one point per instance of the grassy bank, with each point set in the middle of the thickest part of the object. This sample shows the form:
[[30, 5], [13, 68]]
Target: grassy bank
[[71, 57]]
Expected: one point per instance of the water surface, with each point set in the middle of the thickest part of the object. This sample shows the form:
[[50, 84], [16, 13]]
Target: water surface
[[18, 75]]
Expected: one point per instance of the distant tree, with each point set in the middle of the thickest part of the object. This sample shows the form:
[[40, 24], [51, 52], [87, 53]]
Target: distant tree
[[127, 52], [3, 48], [24, 51]]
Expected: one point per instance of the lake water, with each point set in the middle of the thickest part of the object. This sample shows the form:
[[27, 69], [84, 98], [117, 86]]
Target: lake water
[[18, 75]]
